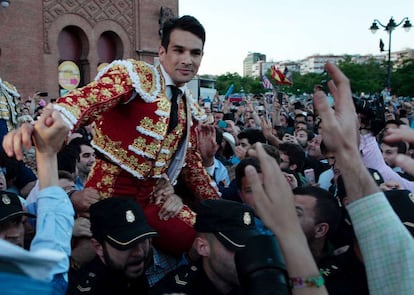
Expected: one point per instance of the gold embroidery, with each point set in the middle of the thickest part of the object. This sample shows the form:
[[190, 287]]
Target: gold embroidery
[[153, 148], [187, 216], [106, 93], [107, 180], [163, 105], [107, 80], [146, 76], [159, 128], [92, 98], [139, 143], [107, 183], [170, 143], [119, 88], [133, 161], [82, 102]]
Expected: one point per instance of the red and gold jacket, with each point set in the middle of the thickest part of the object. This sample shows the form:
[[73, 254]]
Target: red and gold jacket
[[8, 100], [129, 105]]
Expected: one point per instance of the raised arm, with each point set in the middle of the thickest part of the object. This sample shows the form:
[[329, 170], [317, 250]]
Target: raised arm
[[273, 202], [55, 214], [378, 229]]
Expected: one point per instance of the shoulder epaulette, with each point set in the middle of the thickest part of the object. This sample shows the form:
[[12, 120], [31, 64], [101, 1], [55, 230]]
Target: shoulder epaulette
[[144, 77]]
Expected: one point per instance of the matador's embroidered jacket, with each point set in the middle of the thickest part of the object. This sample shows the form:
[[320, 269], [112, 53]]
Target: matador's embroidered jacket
[[128, 102], [8, 96]]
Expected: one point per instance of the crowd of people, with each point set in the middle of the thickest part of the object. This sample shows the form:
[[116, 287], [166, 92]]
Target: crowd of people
[[138, 188]]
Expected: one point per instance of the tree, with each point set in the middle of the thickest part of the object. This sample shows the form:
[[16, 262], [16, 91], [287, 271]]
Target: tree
[[247, 84], [402, 79], [368, 77]]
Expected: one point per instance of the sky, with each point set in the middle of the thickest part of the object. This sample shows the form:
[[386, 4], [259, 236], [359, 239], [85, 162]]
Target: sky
[[293, 29]]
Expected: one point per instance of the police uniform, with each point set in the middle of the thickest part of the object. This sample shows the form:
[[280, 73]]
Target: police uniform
[[97, 278], [11, 207], [343, 273], [126, 227], [233, 225], [188, 279]]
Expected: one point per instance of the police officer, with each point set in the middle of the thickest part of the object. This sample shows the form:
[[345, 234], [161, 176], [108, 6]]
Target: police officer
[[122, 241], [223, 227]]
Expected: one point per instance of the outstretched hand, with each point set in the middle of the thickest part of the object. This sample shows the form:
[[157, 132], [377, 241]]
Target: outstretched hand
[[340, 126], [48, 134], [16, 141], [206, 142], [340, 133]]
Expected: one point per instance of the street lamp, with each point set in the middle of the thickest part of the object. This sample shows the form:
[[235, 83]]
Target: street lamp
[[5, 3], [391, 26]]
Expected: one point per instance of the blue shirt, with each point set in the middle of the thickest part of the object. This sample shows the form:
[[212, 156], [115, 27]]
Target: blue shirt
[[162, 264], [219, 173], [79, 184], [54, 223]]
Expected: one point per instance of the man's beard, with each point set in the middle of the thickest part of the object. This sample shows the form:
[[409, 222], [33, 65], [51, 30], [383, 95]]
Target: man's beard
[[121, 270]]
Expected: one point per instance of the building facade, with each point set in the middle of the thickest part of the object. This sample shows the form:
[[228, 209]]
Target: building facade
[[53, 46], [315, 63], [250, 60], [261, 67]]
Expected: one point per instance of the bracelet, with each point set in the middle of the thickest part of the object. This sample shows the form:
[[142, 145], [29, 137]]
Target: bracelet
[[313, 281]]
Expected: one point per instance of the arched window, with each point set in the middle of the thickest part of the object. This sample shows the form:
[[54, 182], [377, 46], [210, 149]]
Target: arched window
[[109, 47], [74, 47]]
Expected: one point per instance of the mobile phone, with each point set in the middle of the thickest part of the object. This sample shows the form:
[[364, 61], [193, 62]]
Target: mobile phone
[[310, 176], [222, 124]]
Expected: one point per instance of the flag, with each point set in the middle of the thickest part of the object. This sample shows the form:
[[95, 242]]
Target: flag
[[279, 76], [229, 91], [266, 83]]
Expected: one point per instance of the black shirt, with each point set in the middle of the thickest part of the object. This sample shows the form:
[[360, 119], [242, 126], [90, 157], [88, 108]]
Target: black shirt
[[188, 279], [96, 278], [343, 273]]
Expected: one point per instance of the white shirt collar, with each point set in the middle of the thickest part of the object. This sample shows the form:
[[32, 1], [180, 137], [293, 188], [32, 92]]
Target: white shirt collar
[[169, 81]]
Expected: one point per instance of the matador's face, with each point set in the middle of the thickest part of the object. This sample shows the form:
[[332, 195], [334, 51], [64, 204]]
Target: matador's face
[[181, 60]]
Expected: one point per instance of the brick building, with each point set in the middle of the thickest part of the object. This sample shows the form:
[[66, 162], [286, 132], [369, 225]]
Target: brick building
[[53, 45]]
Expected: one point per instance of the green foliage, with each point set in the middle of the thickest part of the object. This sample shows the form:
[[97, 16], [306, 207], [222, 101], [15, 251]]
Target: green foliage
[[402, 80], [246, 84], [368, 77]]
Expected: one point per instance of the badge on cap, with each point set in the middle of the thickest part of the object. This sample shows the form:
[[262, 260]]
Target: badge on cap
[[411, 196], [129, 215], [247, 219], [5, 199]]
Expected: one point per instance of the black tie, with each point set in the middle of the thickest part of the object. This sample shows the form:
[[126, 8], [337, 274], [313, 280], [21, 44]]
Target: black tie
[[174, 108]]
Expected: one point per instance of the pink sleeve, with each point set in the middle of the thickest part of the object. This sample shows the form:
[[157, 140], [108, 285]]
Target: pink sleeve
[[372, 158]]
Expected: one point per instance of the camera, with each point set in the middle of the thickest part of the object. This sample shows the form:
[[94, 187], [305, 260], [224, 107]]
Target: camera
[[372, 112], [370, 108], [261, 268]]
